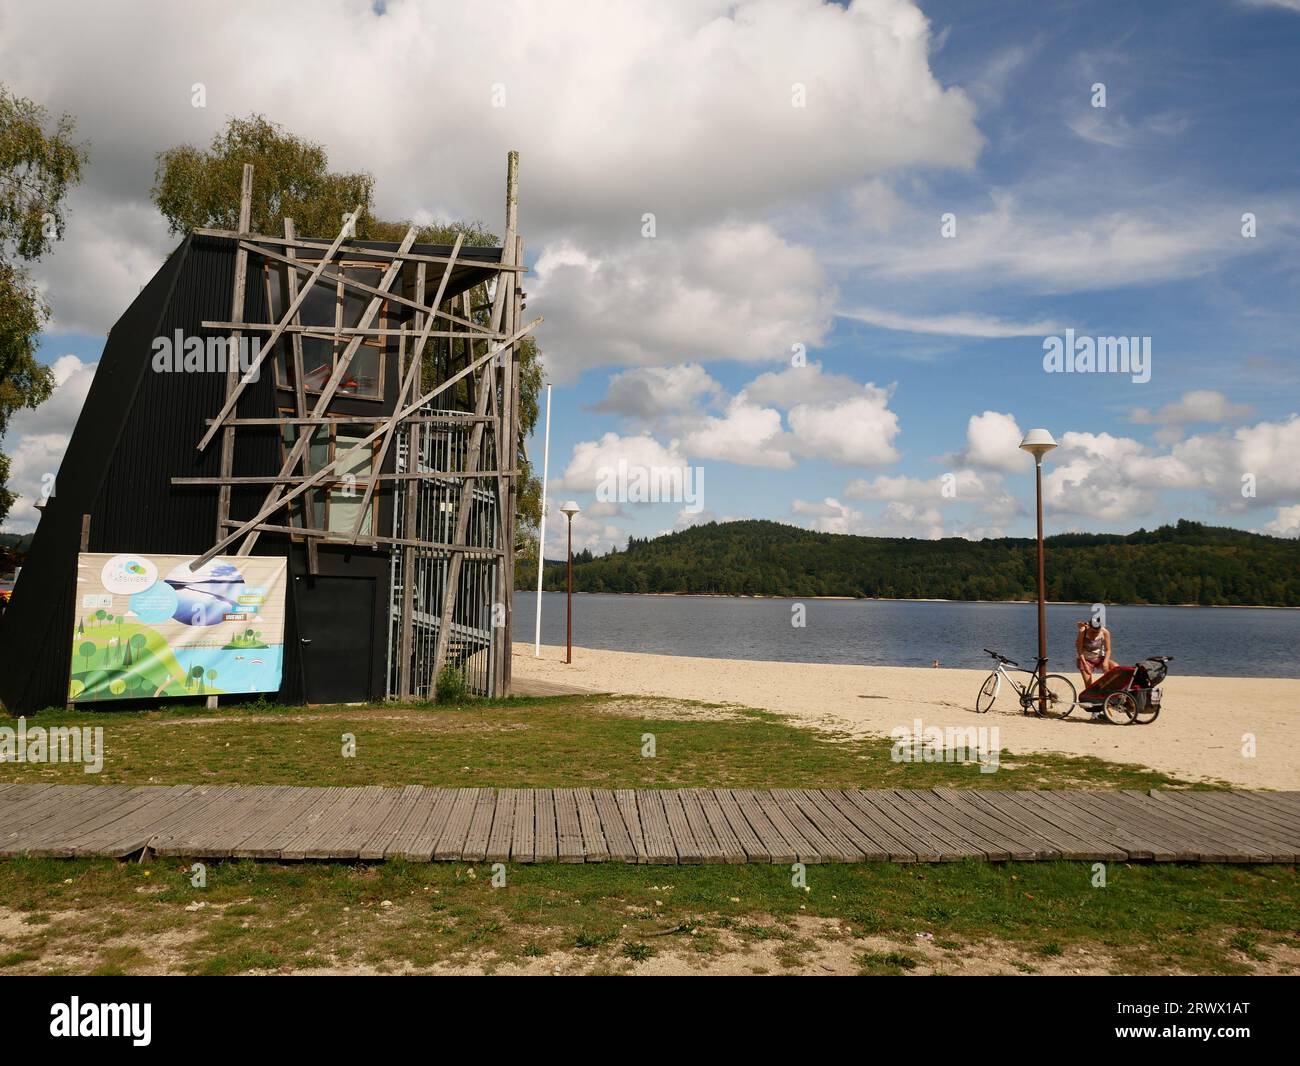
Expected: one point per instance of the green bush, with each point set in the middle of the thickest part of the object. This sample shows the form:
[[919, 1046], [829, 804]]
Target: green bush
[[452, 686]]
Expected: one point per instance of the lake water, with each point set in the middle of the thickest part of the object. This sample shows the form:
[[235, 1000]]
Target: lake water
[[1225, 641]]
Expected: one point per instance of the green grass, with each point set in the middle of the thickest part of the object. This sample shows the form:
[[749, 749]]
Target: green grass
[[127, 917], [525, 743], [107, 917]]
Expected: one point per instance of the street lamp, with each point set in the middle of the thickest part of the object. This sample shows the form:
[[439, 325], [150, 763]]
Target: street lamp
[[569, 510], [1038, 442]]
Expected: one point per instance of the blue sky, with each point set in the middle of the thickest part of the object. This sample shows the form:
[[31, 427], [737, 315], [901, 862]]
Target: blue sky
[[820, 226]]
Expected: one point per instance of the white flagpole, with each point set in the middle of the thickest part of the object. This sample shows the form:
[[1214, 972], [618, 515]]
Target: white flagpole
[[541, 537]]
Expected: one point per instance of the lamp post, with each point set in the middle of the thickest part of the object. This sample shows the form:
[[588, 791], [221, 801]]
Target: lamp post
[[569, 510], [1038, 442]]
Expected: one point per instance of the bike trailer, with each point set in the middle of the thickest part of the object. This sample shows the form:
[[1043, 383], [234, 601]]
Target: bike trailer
[[1128, 693]]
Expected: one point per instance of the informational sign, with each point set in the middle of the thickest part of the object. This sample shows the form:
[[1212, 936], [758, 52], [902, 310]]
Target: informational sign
[[148, 626]]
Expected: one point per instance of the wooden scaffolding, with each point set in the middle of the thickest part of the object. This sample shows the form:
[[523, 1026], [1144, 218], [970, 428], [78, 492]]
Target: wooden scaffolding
[[453, 482]]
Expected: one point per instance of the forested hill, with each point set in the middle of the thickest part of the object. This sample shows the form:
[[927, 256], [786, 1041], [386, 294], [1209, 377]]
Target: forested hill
[[1186, 563]]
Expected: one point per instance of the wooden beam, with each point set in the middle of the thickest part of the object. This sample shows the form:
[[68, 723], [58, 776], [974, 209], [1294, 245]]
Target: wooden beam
[[344, 539], [300, 396], [405, 638], [289, 314], [331, 333], [232, 365], [295, 479], [412, 378], [339, 460], [487, 392], [361, 286], [306, 244], [302, 442], [443, 417]]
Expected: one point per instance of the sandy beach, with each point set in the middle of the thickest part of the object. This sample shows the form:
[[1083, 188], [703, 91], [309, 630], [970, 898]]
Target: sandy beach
[[1199, 735]]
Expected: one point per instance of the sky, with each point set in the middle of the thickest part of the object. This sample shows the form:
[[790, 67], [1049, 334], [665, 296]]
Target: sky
[[803, 261]]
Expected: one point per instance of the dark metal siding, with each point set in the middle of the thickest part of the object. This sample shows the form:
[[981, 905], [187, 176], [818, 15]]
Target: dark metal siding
[[137, 430]]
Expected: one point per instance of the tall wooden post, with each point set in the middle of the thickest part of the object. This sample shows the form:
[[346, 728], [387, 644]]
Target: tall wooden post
[[233, 371]]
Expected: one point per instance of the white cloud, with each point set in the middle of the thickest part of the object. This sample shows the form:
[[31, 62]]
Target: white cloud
[[648, 392], [746, 434], [797, 385], [682, 108], [858, 431], [958, 325], [1199, 405], [993, 442], [1047, 249], [1286, 523], [732, 292], [37, 439], [829, 515], [592, 458]]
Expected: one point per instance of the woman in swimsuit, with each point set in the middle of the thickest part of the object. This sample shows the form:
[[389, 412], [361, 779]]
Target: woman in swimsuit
[[1093, 648]]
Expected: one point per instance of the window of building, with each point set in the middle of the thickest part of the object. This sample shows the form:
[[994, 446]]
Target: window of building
[[334, 504], [330, 306]]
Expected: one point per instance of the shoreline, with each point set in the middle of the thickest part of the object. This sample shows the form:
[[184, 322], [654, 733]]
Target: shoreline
[[1243, 731], [919, 599]]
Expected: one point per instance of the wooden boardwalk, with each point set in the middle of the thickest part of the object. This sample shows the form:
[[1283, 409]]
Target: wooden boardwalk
[[706, 825]]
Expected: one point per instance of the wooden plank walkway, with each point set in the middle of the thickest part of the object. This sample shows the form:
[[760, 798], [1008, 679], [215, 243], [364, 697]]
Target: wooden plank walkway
[[695, 825]]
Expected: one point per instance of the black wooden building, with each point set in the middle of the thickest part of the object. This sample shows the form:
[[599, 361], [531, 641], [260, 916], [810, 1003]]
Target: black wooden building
[[357, 606]]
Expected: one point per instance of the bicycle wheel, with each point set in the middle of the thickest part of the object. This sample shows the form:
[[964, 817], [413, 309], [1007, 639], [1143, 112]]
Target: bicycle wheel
[[1060, 696], [1120, 708], [988, 693], [1146, 712]]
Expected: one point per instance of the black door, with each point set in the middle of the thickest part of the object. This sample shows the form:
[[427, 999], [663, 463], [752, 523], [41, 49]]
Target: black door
[[336, 623]]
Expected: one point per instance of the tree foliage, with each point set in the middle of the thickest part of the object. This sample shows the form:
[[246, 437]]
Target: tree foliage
[[39, 163], [196, 188], [1187, 563]]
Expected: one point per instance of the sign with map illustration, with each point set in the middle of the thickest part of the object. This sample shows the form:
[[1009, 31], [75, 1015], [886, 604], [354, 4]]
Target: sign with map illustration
[[148, 626]]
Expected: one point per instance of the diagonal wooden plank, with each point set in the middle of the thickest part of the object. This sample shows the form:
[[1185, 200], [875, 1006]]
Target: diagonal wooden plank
[[750, 842], [451, 843], [710, 850], [829, 840], [373, 846], [821, 809], [1077, 836], [805, 850], [982, 842], [567, 826], [546, 838], [659, 844], [480, 825], [503, 826], [884, 835], [594, 846], [1103, 820], [266, 839], [420, 835], [684, 842], [919, 837], [733, 851], [1225, 824], [522, 846], [618, 841], [1244, 824], [780, 849], [627, 807], [1188, 840], [1019, 844]]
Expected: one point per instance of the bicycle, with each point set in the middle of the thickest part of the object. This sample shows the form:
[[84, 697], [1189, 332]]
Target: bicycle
[[1060, 690]]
